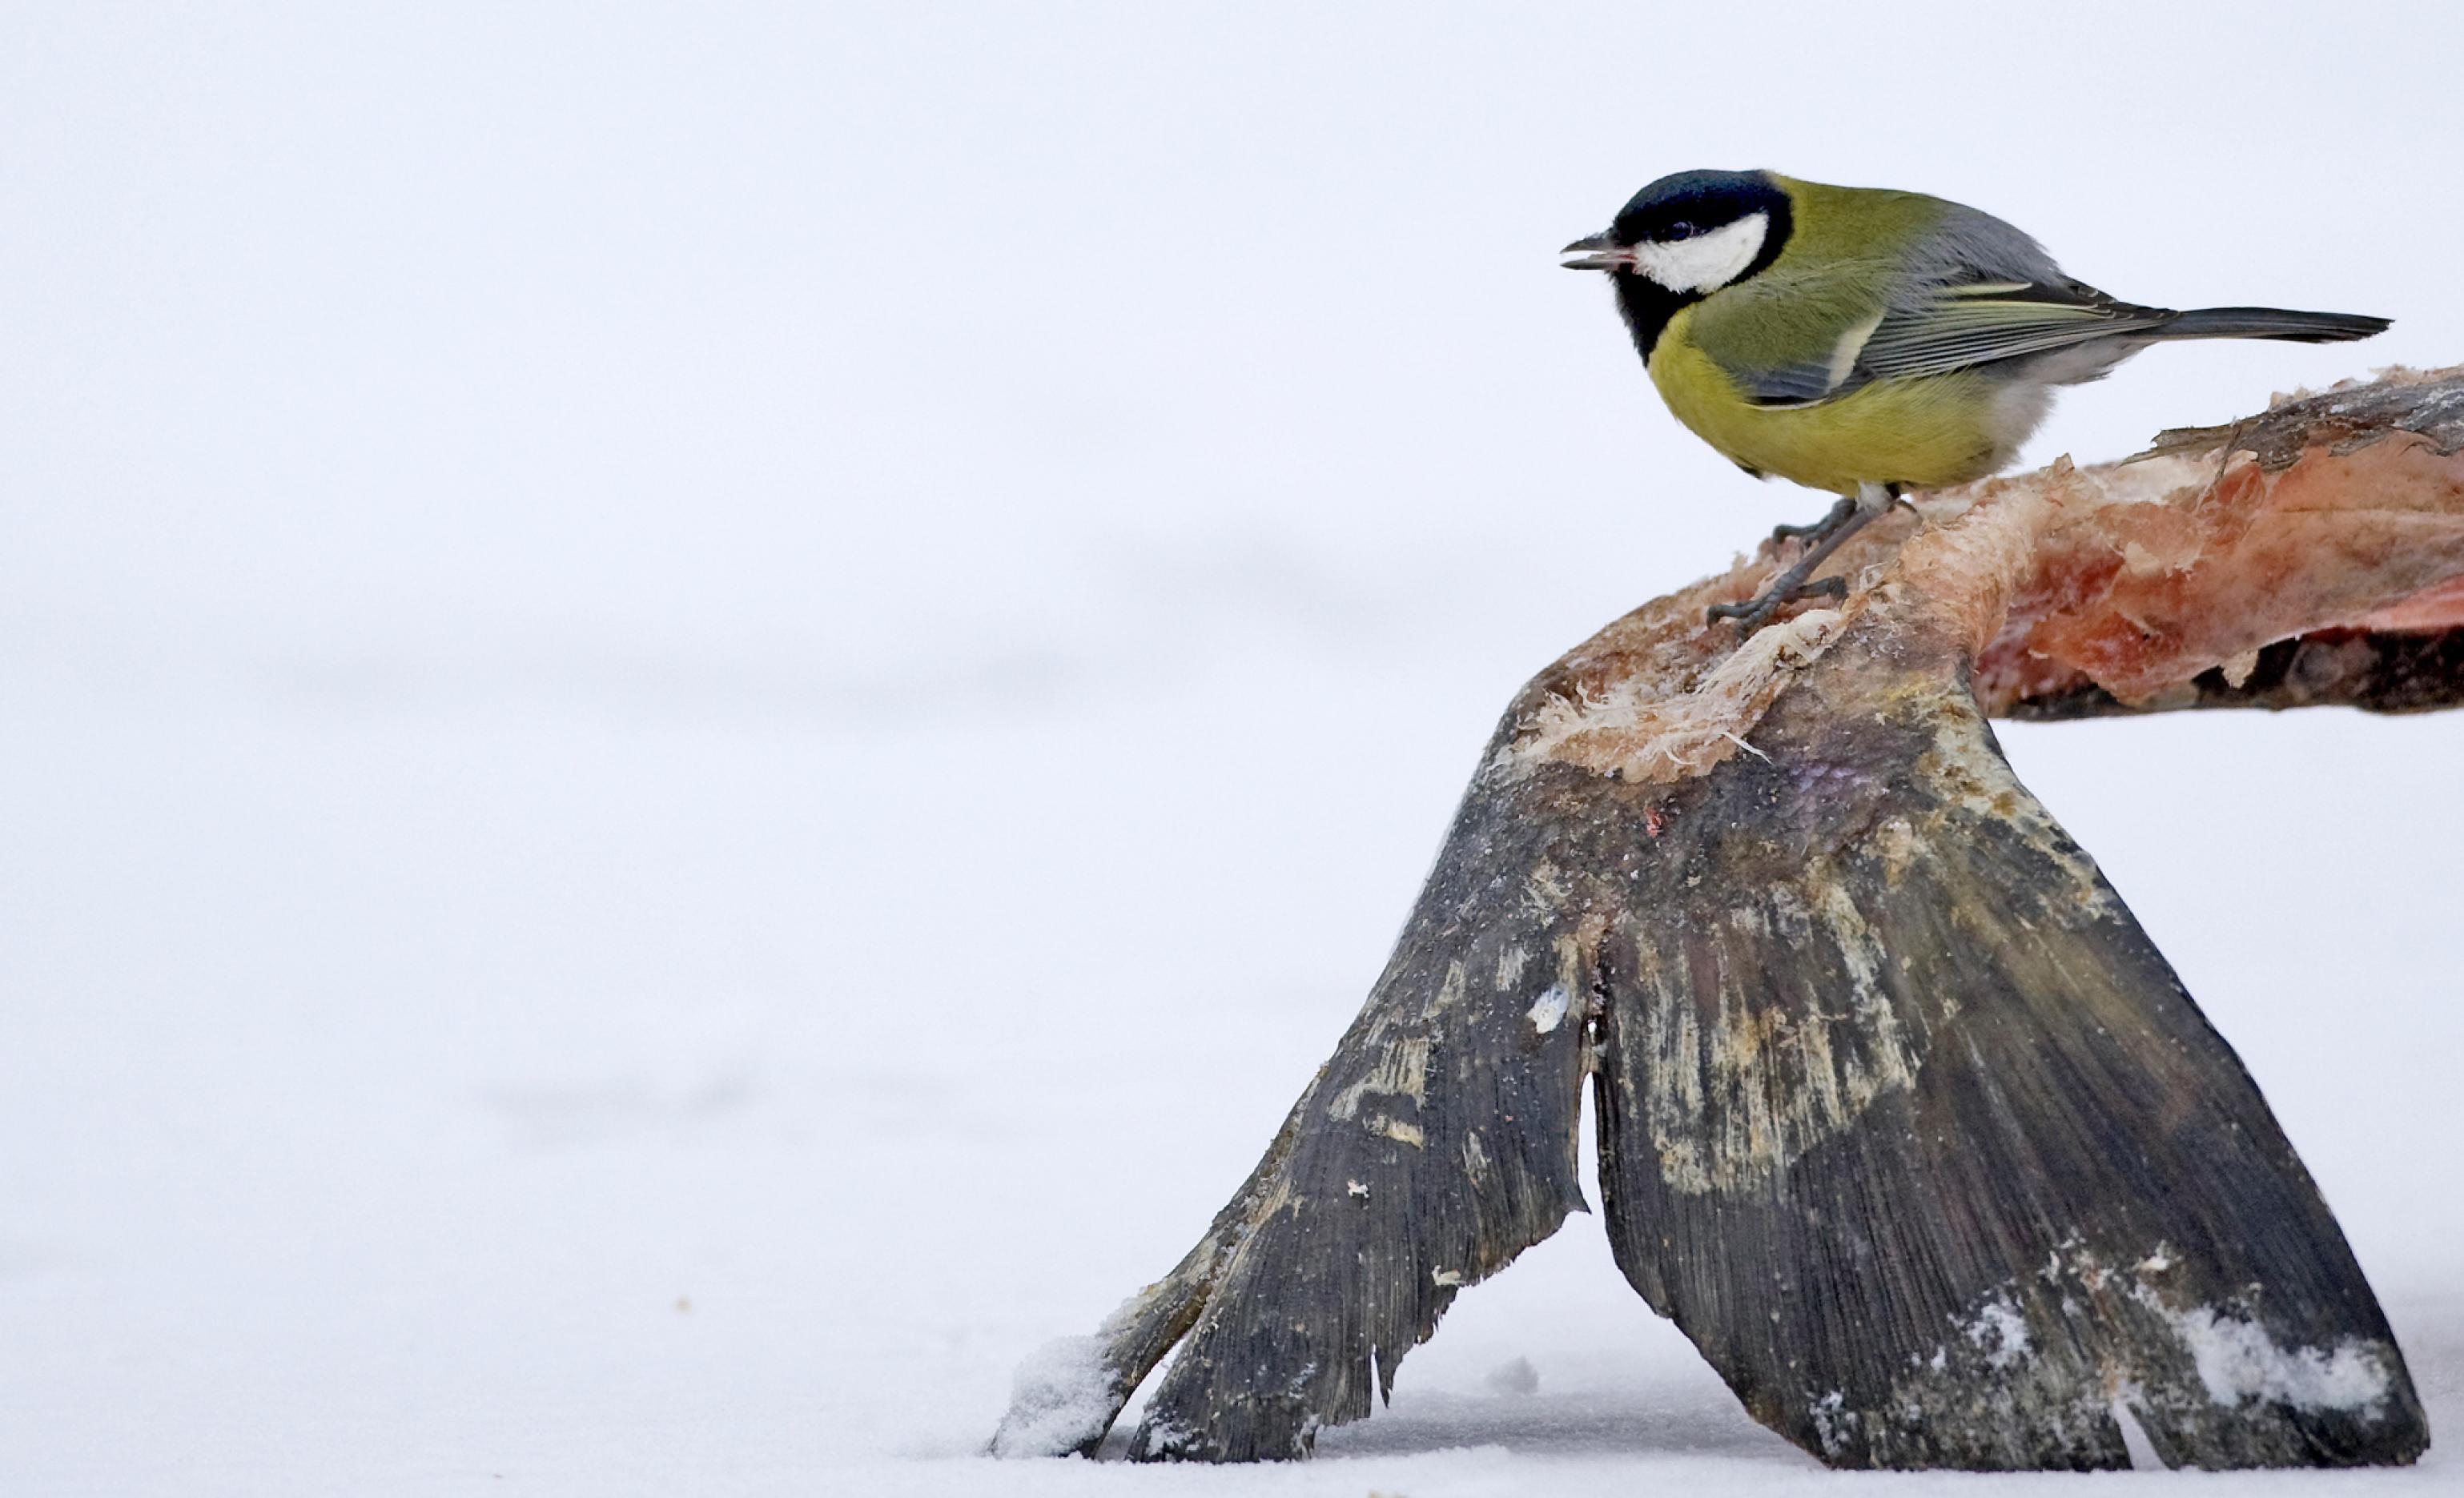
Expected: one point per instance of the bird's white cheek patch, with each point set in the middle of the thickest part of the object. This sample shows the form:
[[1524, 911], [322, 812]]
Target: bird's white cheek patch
[[1705, 262]]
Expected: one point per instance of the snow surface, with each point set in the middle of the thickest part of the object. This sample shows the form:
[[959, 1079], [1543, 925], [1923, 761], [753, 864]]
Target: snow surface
[[2237, 1360], [642, 843], [1059, 1399], [2000, 1333]]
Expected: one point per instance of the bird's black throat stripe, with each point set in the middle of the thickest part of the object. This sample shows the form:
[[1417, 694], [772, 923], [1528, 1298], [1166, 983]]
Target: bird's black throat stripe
[[1709, 200]]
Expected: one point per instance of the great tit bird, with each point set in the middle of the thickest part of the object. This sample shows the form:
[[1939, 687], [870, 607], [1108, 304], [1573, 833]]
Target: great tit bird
[[1863, 341]]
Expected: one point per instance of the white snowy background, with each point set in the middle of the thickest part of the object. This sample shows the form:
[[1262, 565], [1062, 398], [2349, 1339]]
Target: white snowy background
[[703, 712]]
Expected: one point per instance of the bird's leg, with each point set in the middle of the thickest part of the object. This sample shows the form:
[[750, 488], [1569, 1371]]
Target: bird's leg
[[1815, 532], [1846, 518]]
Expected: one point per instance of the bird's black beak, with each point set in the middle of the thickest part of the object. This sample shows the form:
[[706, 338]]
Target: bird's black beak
[[1597, 252]]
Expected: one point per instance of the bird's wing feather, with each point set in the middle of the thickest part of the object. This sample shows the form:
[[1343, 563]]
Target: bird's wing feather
[[1972, 290], [1791, 335], [1936, 329], [1958, 325]]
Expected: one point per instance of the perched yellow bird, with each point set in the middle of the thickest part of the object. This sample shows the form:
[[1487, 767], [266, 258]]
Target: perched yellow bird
[[1863, 341]]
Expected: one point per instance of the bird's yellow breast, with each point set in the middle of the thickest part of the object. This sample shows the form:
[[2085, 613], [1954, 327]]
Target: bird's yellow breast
[[1922, 432]]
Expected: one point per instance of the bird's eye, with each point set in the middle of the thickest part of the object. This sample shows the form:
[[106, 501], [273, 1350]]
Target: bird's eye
[[1683, 229]]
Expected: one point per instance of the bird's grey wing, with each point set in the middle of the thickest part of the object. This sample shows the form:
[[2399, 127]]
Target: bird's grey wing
[[1791, 386], [1978, 291], [1938, 329], [1790, 335], [1971, 246], [1946, 328], [1973, 291]]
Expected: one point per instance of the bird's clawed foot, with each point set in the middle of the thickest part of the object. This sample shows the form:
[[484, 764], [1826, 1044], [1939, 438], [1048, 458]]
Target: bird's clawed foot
[[1826, 536], [1815, 532], [1755, 612]]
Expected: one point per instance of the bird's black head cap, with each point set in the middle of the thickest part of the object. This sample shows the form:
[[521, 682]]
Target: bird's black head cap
[[1686, 205]]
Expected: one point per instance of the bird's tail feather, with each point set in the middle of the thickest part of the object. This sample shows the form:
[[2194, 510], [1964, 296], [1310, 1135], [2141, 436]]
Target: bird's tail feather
[[2301, 327]]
